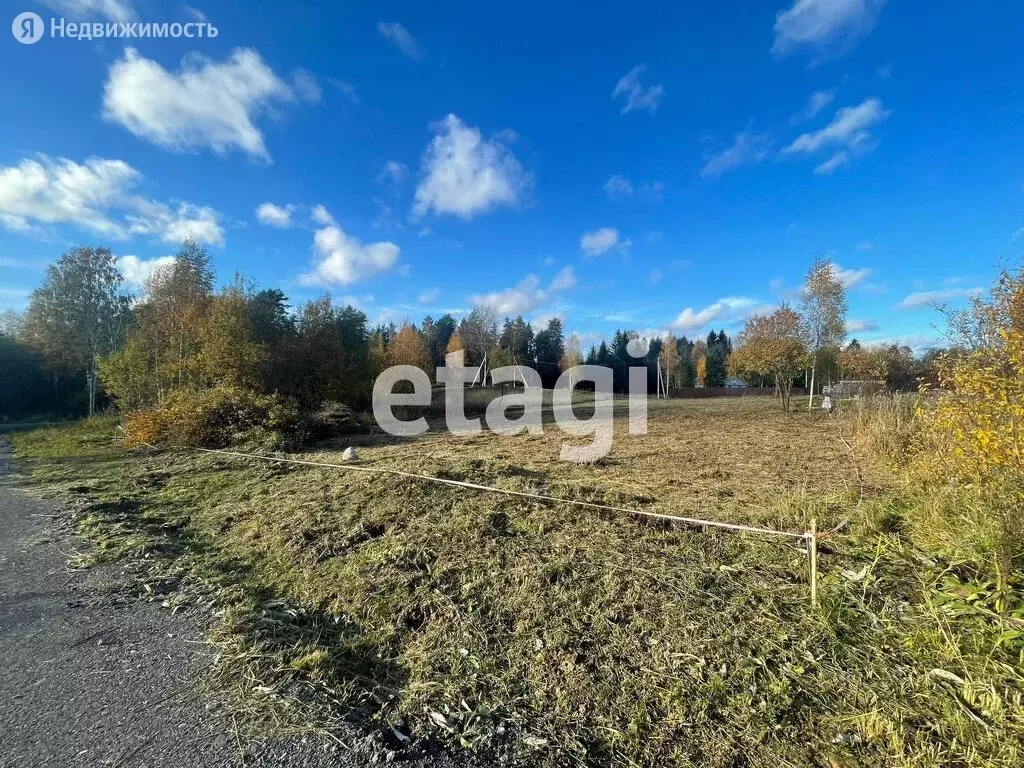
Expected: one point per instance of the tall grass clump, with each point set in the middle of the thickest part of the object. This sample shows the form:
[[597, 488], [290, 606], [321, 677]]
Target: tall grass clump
[[888, 426], [960, 445]]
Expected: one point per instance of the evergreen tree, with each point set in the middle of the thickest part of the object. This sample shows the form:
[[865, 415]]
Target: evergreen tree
[[550, 346]]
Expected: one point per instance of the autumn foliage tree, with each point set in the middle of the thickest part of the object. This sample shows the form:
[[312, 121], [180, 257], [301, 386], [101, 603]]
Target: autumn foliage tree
[[976, 427], [773, 346], [670, 360]]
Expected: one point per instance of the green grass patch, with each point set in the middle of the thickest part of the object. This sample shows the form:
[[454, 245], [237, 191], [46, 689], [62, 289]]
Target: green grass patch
[[571, 636]]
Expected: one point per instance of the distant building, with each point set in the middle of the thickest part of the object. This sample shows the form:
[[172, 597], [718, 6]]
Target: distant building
[[853, 388], [733, 383]]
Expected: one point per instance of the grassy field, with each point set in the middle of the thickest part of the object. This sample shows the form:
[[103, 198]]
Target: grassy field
[[562, 635]]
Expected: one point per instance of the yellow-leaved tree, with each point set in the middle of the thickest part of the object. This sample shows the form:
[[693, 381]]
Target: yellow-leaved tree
[[976, 424]]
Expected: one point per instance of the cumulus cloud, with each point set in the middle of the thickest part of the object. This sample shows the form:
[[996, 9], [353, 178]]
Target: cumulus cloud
[[342, 259], [635, 95], [932, 298], [205, 104], [275, 215], [466, 175], [747, 147], [96, 196], [527, 295], [112, 10], [601, 241], [47, 191], [136, 271], [177, 223], [321, 216], [690, 319], [824, 27], [400, 37], [849, 130]]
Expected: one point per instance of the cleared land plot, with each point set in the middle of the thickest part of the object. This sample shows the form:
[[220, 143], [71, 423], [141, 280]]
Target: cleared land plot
[[560, 634]]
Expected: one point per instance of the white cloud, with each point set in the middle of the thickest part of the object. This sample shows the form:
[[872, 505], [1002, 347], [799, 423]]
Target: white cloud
[[618, 187], [394, 172], [859, 326], [275, 215], [112, 10], [96, 196], [347, 89], [173, 225], [306, 86], [137, 271], [930, 298], [654, 276], [636, 96], [47, 191], [826, 27], [320, 215], [747, 147], [342, 259], [815, 103], [563, 281], [466, 175], [399, 36], [601, 241], [524, 297], [206, 104], [851, 278], [838, 160], [690, 320], [527, 295], [849, 128], [428, 297], [1018, 236], [865, 245]]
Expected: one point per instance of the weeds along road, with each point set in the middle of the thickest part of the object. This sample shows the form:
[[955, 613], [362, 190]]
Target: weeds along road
[[93, 676]]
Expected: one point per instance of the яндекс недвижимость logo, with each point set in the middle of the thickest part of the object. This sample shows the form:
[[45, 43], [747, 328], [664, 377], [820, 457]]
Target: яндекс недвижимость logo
[[28, 27]]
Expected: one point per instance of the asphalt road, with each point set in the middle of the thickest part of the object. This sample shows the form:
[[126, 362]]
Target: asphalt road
[[92, 676]]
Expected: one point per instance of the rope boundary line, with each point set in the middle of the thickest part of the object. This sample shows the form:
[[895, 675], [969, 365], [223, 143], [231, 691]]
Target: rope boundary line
[[507, 492]]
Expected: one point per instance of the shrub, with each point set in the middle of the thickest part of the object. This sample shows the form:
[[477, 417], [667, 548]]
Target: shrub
[[963, 444], [333, 419], [215, 418]]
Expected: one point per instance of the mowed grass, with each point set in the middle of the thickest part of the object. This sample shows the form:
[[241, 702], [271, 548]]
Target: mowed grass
[[561, 635]]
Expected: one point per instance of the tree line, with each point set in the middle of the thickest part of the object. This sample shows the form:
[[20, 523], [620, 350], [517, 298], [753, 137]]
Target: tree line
[[85, 342]]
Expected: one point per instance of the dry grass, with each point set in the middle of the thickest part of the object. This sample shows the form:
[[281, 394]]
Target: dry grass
[[570, 636]]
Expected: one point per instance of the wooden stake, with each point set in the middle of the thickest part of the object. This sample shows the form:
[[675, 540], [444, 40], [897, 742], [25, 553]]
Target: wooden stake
[[812, 548]]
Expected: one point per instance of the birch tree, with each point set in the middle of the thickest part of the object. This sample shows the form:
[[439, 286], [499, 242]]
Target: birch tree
[[78, 315], [572, 357], [670, 358], [823, 311]]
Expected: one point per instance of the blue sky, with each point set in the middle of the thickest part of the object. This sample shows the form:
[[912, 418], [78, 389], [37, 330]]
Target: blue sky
[[653, 166]]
